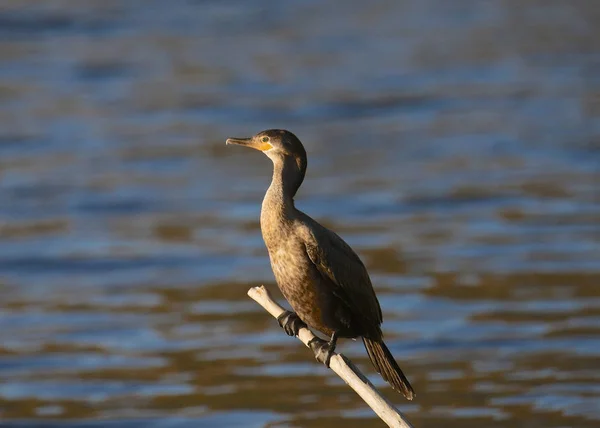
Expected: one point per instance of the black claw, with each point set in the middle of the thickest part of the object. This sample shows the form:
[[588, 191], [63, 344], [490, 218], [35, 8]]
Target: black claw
[[291, 323], [328, 356], [322, 349], [316, 344]]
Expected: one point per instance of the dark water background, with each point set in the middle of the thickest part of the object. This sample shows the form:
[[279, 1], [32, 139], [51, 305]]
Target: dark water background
[[455, 145]]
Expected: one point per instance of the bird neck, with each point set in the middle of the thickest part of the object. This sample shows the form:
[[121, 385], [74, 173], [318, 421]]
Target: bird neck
[[288, 174]]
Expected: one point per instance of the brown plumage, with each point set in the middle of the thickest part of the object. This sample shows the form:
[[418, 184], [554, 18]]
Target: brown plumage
[[321, 277]]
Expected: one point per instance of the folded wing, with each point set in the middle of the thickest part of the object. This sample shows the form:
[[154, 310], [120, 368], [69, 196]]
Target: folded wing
[[336, 261]]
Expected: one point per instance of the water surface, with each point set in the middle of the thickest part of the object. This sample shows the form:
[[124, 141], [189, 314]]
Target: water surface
[[453, 145]]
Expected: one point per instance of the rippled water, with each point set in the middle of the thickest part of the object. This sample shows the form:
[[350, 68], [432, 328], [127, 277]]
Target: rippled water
[[455, 145]]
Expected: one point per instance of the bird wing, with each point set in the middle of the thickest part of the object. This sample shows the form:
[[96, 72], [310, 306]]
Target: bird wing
[[336, 261]]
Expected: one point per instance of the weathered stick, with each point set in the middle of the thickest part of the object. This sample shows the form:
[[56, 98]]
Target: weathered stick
[[342, 366]]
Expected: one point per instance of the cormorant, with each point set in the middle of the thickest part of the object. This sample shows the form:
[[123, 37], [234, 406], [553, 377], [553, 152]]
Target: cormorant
[[321, 277]]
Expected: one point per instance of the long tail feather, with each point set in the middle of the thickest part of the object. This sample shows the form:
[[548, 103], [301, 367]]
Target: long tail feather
[[386, 365]]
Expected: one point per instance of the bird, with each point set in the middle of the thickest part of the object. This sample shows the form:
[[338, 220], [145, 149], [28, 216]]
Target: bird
[[321, 277]]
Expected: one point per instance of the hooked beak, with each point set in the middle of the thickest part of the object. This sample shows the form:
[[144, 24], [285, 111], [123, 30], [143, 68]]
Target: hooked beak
[[250, 142]]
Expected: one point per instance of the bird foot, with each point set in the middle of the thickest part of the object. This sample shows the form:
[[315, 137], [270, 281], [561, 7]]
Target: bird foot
[[322, 349], [291, 323]]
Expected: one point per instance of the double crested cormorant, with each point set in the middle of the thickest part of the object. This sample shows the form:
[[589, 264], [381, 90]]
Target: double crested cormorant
[[321, 277]]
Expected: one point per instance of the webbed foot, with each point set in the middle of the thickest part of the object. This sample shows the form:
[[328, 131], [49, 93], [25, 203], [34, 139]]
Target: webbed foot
[[322, 349], [291, 323]]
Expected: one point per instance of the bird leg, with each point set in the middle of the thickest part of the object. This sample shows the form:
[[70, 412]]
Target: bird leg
[[323, 349], [291, 323]]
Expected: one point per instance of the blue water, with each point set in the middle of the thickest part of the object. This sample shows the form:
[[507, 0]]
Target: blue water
[[454, 145]]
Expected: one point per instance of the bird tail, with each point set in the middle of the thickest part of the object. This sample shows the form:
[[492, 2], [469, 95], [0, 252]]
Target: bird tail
[[384, 363]]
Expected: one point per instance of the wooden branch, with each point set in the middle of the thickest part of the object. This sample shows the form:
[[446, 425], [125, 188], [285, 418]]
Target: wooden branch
[[342, 366]]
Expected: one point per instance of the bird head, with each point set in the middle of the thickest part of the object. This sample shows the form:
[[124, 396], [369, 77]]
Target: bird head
[[286, 152], [275, 143]]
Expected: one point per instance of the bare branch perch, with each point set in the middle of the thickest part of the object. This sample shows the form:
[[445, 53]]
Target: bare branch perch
[[342, 366]]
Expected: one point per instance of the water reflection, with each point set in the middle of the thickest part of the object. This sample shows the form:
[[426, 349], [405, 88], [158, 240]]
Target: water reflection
[[454, 147]]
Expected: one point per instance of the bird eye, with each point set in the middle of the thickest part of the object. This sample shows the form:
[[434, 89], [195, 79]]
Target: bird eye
[[265, 139]]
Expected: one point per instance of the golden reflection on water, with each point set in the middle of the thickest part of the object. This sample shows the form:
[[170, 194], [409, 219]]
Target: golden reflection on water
[[212, 350]]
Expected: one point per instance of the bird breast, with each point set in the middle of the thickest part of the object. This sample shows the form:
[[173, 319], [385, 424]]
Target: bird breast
[[298, 280], [290, 263]]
